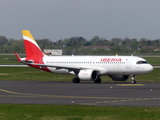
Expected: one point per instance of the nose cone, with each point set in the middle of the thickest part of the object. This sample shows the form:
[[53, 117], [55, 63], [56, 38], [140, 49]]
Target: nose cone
[[149, 68]]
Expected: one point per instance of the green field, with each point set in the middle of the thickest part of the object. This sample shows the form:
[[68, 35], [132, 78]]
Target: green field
[[76, 112], [4, 59], [22, 73], [32, 74], [155, 61]]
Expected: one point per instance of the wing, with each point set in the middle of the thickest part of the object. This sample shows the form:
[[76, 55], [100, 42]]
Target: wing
[[71, 68], [56, 66], [75, 69]]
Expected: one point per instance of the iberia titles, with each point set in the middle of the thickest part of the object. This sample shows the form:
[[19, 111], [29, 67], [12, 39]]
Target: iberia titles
[[111, 60]]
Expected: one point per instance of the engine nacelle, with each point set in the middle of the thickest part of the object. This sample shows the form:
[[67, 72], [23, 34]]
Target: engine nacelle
[[88, 75], [119, 77]]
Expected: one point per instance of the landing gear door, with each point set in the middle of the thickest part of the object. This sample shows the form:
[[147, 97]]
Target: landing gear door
[[128, 63]]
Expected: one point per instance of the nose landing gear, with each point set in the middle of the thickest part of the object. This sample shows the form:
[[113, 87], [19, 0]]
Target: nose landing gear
[[133, 80]]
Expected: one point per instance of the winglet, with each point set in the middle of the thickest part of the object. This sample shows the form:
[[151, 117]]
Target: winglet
[[17, 56]]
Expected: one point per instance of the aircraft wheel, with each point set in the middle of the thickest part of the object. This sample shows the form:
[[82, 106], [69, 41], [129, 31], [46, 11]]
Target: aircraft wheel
[[76, 80], [133, 82], [98, 80]]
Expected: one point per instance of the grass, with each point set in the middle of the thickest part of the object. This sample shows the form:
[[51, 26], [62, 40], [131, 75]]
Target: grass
[[5, 59], [155, 61], [76, 112], [32, 74]]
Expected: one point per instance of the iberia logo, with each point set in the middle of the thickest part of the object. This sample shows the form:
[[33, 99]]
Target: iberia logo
[[111, 60]]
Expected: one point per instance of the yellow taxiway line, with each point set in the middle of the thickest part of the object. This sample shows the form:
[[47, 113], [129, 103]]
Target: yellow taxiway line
[[58, 96]]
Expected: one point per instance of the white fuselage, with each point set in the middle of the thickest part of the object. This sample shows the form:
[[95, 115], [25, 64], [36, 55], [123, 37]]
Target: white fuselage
[[105, 65]]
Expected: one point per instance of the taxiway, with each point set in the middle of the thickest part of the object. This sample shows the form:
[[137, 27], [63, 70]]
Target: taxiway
[[84, 93]]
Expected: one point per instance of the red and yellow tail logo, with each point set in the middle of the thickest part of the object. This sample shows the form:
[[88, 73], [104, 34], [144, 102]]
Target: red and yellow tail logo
[[31, 47], [34, 55]]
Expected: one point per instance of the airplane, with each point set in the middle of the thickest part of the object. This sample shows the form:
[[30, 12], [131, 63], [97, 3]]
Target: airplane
[[87, 68]]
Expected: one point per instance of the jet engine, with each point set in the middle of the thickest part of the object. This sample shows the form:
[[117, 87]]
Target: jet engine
[[88, 75], [119, 77]]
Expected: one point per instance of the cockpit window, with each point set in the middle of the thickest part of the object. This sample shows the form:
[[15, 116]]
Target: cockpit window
[[142, 62]]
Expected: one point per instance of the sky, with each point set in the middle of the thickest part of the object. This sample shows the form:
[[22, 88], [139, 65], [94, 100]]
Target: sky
[[62, 19]]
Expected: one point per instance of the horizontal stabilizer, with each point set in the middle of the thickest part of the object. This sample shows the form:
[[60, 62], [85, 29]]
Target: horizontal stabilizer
[[17, 56]]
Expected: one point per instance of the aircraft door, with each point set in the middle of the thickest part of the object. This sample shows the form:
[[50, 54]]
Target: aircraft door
[[128, 63]]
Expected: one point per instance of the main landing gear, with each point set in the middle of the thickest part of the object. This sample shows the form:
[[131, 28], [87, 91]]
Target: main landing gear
[[76, 80], [98, 80], [133, 80]]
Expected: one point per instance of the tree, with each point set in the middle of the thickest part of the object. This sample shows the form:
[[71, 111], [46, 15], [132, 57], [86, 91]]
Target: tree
[[3, 40], [134, 44], [116, 40]]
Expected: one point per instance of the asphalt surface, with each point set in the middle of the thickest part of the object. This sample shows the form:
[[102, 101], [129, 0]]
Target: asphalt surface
[[84, 93]]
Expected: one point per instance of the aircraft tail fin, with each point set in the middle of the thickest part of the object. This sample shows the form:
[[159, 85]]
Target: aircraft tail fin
[[31, 47]]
